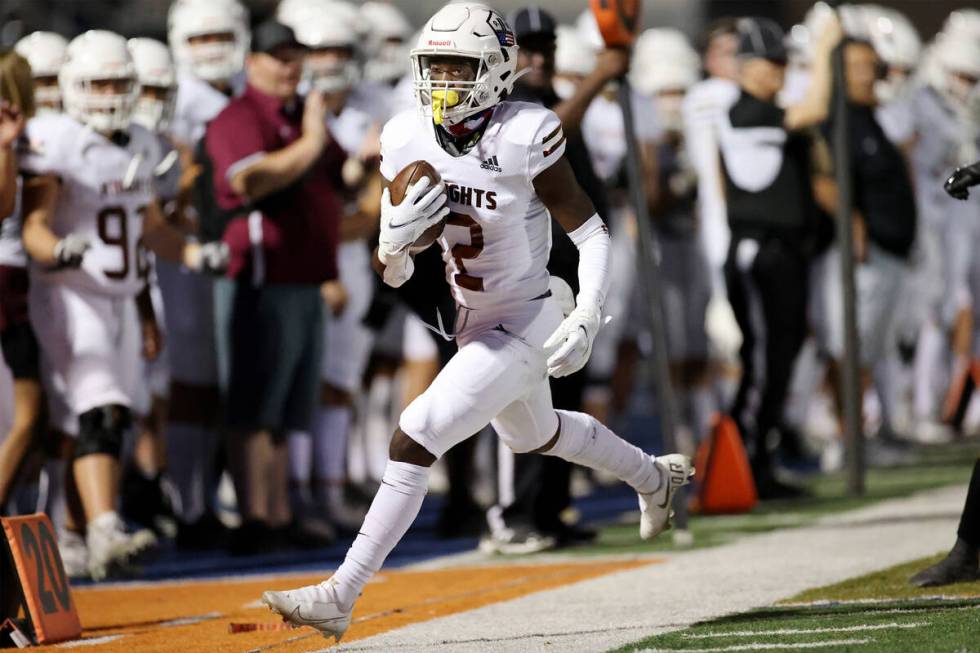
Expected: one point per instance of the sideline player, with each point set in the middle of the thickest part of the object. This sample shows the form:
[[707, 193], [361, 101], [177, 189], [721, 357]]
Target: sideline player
[[510, 331], [209, 40], [89, 212]]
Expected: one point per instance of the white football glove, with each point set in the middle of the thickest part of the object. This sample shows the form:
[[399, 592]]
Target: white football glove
[[69, 251], [570, 346], [722, 327], [402, 225]]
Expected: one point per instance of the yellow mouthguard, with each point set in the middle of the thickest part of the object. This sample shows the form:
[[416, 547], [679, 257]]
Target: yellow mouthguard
[[442, 100]]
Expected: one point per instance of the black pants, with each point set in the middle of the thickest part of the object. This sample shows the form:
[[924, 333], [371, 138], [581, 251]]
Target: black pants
[[769, 299]]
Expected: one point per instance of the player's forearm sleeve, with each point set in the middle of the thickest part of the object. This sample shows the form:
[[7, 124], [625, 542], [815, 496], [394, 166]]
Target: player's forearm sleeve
[[592, 241]]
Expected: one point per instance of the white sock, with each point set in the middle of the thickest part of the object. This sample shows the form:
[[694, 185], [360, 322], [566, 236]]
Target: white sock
[[584, 440], [331, 426], [393, 510], [300, 446], [190, 450]]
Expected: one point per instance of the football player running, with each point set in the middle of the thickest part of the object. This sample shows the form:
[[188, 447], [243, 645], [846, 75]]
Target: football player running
[[89, 211], [510, 331]]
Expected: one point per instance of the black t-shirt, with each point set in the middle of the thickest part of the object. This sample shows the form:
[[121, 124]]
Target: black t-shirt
[[768, 175], [882, 188]]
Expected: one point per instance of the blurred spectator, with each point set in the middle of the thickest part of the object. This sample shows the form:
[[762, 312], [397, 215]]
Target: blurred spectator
[[773, 217], [534, 489], [884, 225], [20, 350], [273, 157]]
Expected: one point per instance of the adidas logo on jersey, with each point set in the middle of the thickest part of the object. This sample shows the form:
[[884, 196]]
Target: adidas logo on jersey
[[491, 164]]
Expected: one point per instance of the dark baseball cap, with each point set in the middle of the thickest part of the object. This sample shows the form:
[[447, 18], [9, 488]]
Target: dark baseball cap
[[761, 38], [272, 35], [532, 21]]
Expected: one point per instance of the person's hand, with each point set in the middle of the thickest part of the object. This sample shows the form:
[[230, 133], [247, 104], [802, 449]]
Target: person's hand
[[152, 339], [70, 250], [830, 35], [335, 296], [207, 258], [958, 184], [612, 63], [721, 326], [11, 124], [569, 347], [315, 118], [401, 225]]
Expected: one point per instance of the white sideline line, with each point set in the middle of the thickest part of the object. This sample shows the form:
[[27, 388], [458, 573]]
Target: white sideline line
[[803, 631], [95, 641], [929, 598], [760, 646]]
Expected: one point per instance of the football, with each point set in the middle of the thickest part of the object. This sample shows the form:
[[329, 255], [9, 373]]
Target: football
[[400, 185]]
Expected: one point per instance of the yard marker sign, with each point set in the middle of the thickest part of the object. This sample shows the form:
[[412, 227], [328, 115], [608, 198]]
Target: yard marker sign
[[39, 578]]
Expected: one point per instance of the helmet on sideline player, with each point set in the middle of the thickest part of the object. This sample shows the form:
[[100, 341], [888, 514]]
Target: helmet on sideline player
[[470, 31], [963, 21], [665, 65], [45, 52], [157, 81], [330, 31], [898, 45], [98, 81], [209, 38], [387, 42], [956, 71], [574, 59]]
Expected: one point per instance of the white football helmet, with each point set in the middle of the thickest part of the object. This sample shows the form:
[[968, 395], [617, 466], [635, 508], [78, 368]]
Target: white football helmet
[[389, 33], [154, 69], [216, 61], [574, 59], [45, 52], [956, 73], [472, 31], [802, 37], [323, 25], [963, 21], [665, 65], [91, 57], [897, 42]]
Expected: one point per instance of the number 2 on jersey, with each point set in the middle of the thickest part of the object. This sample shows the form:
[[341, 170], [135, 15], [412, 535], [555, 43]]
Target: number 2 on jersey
[[461, 252]]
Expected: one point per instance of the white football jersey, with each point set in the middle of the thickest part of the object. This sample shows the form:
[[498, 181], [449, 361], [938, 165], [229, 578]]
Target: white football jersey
[[11, 248], [197, 104], [104, 190], [354, 122], [498, 236]]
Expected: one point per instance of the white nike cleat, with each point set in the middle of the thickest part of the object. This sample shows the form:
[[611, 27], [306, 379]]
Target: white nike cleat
[[112, 551], [316, 606], [74, 553], [676, 471]]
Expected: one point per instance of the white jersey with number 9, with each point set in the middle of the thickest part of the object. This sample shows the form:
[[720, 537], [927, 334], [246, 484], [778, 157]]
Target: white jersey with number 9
[[105, 188], [498, 236]]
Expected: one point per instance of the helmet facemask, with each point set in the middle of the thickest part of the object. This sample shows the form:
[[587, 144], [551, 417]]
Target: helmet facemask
[[155, 107], [331, 69], [104, 104], [214, 57], [450, 101]]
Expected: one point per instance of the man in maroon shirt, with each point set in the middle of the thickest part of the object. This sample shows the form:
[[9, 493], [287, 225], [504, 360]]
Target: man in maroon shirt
[[275, 163]]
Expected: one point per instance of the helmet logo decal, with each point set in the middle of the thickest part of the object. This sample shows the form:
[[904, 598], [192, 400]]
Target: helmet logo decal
[[504, 34]]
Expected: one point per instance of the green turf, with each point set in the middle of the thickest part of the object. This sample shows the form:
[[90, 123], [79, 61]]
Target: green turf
[[943, 619], [891, 583], [951, 626], [939, 466]]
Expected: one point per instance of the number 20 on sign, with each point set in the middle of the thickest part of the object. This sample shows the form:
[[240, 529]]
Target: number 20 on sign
[[42, 577]]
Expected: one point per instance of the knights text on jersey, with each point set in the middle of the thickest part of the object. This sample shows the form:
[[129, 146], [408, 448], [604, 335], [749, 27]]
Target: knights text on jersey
[[498, 236], [104, 190]]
